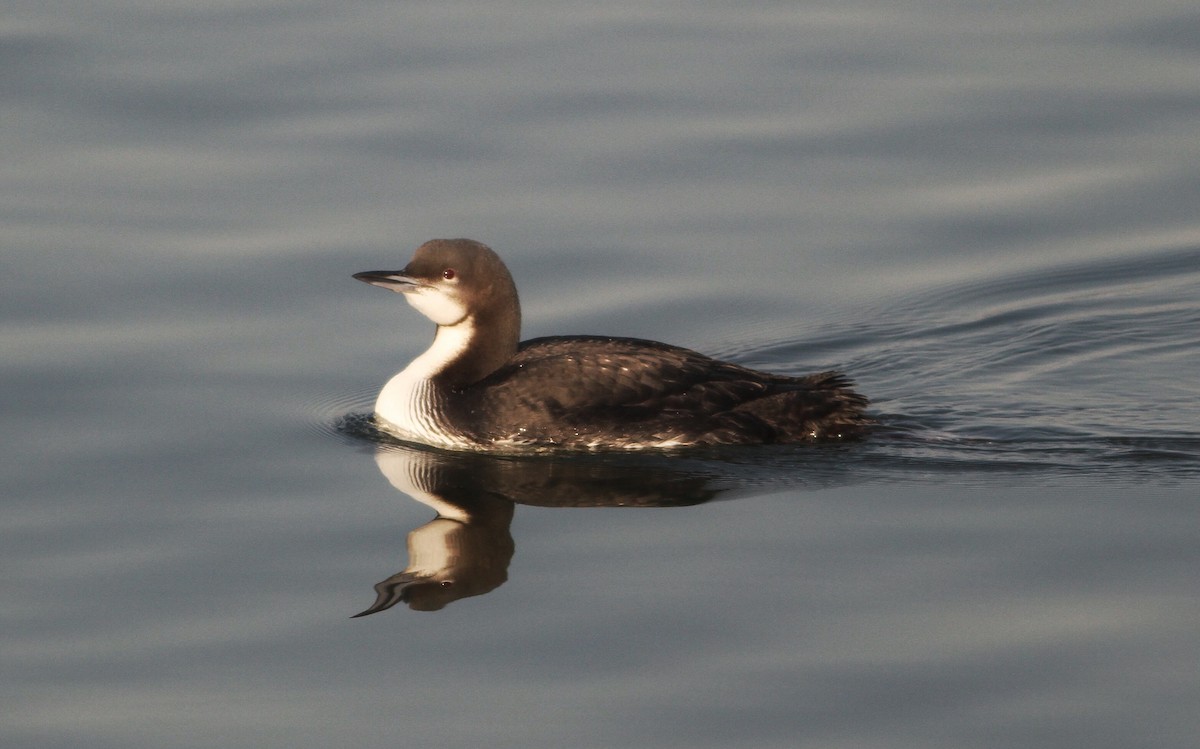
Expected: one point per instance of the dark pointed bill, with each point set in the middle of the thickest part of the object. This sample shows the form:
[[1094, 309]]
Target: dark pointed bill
[[393, 280]]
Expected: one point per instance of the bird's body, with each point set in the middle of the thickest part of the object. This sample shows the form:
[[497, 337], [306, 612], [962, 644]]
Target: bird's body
[[477, 388]]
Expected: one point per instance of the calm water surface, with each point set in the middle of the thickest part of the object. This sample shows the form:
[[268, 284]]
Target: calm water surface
[[986, 214]]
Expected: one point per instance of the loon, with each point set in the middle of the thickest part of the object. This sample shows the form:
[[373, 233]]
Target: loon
[[478, 387]]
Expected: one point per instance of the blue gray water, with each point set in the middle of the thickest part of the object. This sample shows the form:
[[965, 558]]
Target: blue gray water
[[987, 214]]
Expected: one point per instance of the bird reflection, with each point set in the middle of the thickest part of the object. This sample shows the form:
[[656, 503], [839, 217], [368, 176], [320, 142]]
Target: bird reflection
[[467, 547], [464, 551]]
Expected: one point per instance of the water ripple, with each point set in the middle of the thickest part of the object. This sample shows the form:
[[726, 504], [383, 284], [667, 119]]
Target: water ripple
[[1084, 367]]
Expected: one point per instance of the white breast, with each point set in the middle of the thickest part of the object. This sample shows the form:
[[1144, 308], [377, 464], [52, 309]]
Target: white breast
[[407, 405]]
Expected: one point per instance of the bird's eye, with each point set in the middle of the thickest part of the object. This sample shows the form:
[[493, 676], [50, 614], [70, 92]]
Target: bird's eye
[[449, 274]]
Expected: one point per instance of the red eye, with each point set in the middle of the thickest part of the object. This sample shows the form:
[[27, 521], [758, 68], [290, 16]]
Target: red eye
[[448, 274]]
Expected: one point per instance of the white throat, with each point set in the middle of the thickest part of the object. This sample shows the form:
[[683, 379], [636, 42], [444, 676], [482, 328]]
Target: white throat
[[439, 305], [408, 402]]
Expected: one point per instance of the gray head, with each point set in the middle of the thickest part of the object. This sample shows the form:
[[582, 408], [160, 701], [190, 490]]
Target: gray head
[[449, 280], [461, 282]]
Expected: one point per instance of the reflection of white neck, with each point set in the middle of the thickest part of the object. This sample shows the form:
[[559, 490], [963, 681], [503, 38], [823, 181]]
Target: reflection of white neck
[[408, 401], [434, 548], [411, 472]]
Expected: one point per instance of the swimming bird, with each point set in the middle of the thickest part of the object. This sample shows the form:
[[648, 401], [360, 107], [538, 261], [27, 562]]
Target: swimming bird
[[478, 387]]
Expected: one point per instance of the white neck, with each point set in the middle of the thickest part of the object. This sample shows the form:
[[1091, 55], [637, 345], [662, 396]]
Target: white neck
[[407, 401]]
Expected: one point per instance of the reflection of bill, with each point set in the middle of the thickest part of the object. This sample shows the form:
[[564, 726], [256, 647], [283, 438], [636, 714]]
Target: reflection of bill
[[466, 549]]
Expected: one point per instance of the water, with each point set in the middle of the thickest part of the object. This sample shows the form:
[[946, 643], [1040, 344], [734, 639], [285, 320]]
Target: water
[[985, 214]]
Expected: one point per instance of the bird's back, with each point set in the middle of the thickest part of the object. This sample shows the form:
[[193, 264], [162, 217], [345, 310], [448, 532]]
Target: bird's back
[[586, 392]]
